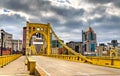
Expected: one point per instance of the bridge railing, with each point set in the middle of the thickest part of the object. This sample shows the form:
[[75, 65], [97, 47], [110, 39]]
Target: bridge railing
[[33, 67], [106, 61], [31, 64], [102, 61], [4, 60], [67, 57]]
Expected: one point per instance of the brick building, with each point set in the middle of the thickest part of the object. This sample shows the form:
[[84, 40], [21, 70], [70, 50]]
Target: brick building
[[24, 39]]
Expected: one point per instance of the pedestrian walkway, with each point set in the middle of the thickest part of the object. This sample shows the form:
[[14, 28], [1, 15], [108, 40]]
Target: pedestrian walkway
[[15, 68]]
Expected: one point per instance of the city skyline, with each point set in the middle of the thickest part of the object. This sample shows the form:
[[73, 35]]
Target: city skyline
[[68, 16]]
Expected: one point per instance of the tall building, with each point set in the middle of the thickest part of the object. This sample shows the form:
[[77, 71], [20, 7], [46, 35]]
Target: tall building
[[24, 39], [9, 45], [89, 41], [7, 40]]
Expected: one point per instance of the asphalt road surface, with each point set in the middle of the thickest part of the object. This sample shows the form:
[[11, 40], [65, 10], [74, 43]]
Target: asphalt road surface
[[57, 67]]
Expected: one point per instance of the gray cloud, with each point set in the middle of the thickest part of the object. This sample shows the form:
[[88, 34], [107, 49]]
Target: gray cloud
[[102, 25], [12, 24], [36, 7], [73, 24], [101, 10], [68, 12], [107, 29], [11, 19], [115, 2], [100, 1], [32, 7]]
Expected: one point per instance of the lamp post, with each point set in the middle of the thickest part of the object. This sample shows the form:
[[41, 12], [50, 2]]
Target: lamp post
[[2, 34]]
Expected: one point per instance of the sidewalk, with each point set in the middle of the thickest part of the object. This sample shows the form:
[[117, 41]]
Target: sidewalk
[[15, 68]]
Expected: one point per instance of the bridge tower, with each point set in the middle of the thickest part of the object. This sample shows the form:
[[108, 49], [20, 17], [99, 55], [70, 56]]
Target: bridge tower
[[113, 52], [33, 28]]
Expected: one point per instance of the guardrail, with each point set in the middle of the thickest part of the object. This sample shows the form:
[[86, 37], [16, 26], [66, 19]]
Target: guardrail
[[4, 60], [106, 61], [102, 61], [33, 68], [67, 57], [31, 65]]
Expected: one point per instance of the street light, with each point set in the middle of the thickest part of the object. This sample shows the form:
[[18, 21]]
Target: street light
[[2, 34]]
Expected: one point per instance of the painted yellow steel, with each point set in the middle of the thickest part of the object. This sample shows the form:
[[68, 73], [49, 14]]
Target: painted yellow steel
[[47, 30], [71, 50], [31, 64], [106, 61], [33, 28], [33, 50], [113, 52], [4, 60], [27, 39], [102, 61], [33, 68]]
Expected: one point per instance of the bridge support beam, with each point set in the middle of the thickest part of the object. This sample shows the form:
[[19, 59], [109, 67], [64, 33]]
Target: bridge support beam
[[48, 39], [32, 29]]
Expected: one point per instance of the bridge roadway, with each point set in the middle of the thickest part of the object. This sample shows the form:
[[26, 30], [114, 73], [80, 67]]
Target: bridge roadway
[[57, 67]]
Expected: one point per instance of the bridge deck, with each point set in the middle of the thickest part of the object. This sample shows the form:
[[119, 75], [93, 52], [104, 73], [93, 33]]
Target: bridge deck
[[57, 67], [15, 68]]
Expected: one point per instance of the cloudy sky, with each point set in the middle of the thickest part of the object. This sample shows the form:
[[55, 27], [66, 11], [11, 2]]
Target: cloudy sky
[[67, 17]]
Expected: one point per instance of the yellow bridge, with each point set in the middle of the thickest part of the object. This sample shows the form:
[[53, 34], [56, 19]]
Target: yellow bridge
[[43, 62], [46, 30]]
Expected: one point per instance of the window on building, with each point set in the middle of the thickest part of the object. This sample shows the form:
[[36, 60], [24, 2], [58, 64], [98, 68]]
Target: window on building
[[77, 49], [85, 47], [91, 36], [92, 47]]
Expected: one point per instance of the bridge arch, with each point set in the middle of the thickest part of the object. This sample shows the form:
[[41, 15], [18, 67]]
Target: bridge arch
[[32, 33], [47, 30], [43, 29]]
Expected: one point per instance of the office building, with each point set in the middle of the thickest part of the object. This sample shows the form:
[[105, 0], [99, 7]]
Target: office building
[[77, 46], [89, 41]]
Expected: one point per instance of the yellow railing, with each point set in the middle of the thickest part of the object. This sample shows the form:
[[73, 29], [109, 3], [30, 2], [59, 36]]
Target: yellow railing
[[103, 61], [34, 68], [4, 60], [68, 57], [106, 61], [31, 63]]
